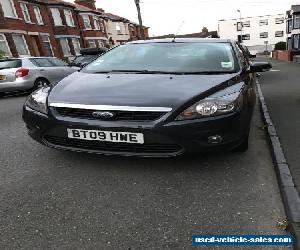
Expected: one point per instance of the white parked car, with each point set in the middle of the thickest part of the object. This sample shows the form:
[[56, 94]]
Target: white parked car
[[31, 72]]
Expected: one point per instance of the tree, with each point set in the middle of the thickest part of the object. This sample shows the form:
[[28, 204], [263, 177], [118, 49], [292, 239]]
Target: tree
[[205, 30], [280, 46]]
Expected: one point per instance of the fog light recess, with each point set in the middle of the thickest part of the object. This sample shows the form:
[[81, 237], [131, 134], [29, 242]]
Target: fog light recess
[[215, 139]]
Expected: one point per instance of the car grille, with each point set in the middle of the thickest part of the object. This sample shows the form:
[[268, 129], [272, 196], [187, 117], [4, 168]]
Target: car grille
[[154, 148], [118, 115]]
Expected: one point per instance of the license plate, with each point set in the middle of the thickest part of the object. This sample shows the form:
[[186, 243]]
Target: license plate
[[2, 77], [110, 136]]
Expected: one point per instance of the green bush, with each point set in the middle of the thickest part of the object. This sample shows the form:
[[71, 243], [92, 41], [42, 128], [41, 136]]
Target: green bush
[[280, 46]]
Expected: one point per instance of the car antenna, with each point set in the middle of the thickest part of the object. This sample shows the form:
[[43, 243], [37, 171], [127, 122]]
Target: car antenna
[[178, 30]]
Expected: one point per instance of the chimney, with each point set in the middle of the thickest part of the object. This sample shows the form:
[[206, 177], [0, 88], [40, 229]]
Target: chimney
[[87, 3]]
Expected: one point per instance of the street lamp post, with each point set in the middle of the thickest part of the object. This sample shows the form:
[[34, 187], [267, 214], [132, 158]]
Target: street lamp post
[[137, 3], [241, 23]]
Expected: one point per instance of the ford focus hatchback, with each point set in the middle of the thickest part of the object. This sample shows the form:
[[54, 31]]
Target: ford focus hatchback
[[151, 98]]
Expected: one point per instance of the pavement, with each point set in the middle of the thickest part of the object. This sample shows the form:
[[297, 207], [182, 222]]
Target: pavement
[[53, 199], [281, 91]]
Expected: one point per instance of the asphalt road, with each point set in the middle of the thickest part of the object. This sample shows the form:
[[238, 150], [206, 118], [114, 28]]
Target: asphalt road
[[63, 200]]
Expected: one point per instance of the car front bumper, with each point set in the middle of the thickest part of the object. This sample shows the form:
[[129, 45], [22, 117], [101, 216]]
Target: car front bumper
[[161, 139]]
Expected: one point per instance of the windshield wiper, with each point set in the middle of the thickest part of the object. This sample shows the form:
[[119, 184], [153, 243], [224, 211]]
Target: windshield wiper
[[165, 72], [136, 72], [208, 72]]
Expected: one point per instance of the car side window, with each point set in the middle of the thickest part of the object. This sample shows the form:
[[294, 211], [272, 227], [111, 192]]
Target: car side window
[[41, 62], [57, 62]]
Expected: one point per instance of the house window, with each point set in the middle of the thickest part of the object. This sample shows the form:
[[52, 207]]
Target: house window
[[87, 22], [278, 33], [38, 15], [25, 12], [246, 37], [100, 43], [4, 48], [56, 17], [21, 45], [118, 28], [289, 26], [92, 44], [102, 27], [279, 20], [96, 24], [246, 24], [263, 35], [76, 45], [47, 45], [69, 18], [8, 8], [296, 41], [297, 21], [263, 22], [65, 46]]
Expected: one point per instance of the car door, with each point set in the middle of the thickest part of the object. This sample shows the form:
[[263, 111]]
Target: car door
[[62, 67], [45, 68]]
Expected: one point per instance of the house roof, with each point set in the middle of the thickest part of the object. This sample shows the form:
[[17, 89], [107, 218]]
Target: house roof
[[59, 2], [296, 8]]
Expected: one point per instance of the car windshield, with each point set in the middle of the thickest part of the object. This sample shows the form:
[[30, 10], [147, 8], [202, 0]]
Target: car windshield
[[175, 57], [8, 64]]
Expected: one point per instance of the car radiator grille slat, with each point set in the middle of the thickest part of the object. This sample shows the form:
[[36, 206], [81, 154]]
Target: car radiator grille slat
[[155, 148], [119, 115]]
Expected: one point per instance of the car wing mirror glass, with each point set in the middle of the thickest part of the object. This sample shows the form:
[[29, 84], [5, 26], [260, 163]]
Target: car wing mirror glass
[[260, 67]]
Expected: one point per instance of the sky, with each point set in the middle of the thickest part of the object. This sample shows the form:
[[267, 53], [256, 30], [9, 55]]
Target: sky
[[189, 16]]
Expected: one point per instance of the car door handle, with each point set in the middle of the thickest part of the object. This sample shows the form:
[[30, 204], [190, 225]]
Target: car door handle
[[42, 70]]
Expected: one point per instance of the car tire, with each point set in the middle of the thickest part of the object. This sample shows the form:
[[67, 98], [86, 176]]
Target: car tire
[[40, 82]]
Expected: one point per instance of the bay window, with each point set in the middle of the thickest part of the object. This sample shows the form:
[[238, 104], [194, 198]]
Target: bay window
[[8, 8], [69, 18], [65, 46], [87, 22], [76, 45], [25, 12], [20, 44], [4, 48], [47, 45], [56, 16], [38, 15]]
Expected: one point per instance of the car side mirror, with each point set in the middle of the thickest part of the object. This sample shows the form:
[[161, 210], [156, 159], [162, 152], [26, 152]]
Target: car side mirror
[[252, 56], [260, 67]]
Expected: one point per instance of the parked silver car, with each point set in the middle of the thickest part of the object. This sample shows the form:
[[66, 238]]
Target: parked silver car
[[31, 72]]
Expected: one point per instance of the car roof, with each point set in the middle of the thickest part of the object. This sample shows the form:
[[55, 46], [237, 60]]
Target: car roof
[[184, 40]]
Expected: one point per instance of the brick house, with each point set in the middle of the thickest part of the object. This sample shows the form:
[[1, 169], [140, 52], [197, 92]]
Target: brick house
[[91, 23], [293, 28], [58, 28], [39, 28], [136, 32]]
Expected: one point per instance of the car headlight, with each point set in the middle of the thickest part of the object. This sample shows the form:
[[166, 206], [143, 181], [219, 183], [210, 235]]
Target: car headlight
[[38, 100], [213, 106]]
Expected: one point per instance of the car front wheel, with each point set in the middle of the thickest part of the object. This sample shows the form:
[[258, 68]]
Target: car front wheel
[[40, 82]]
